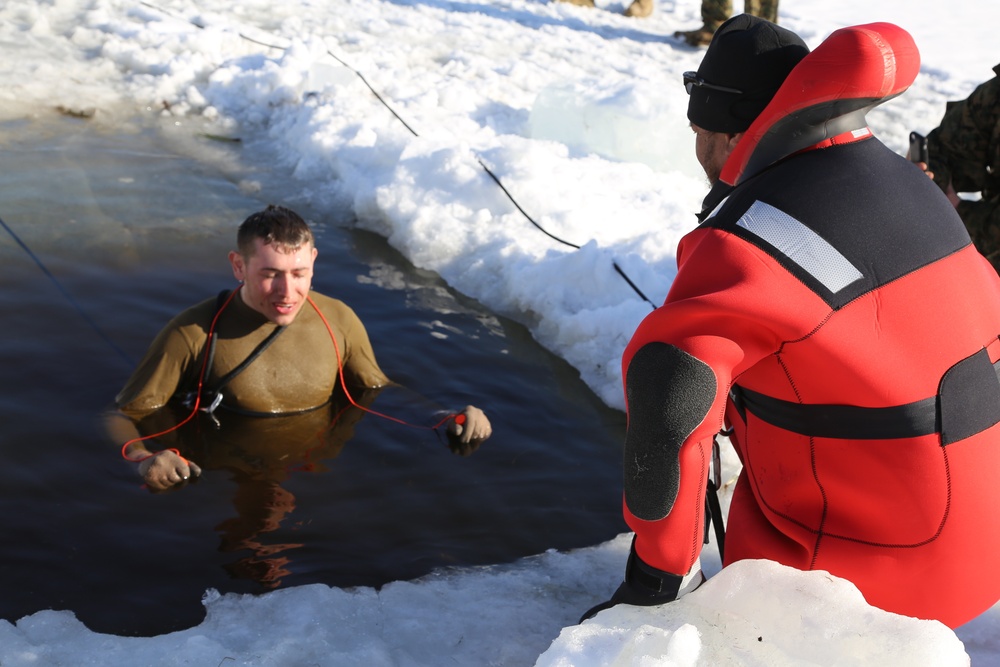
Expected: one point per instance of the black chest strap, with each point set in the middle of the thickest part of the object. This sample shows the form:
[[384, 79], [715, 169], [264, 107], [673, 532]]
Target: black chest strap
[[211, 395]]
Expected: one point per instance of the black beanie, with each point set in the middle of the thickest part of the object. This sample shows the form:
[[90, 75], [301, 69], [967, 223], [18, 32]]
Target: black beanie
[[749, 54]]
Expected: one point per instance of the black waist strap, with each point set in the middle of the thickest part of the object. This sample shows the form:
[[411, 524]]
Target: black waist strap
[[968, 402], [840, 421]]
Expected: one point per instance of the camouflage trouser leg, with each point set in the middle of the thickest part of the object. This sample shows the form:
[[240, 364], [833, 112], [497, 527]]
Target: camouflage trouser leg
[[766, 9], [715, 12], [982, 219]]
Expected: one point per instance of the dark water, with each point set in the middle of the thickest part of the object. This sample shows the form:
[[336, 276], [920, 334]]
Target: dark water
[[134, 231]]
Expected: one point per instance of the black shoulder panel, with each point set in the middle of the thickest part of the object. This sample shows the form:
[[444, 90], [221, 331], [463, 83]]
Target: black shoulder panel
[[669, 392], [844, 220]]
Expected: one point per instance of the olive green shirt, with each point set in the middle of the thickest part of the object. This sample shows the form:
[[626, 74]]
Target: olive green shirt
[[298, 371]]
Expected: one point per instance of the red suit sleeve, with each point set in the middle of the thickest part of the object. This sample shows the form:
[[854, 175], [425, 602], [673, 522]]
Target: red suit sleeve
[[730, 306]]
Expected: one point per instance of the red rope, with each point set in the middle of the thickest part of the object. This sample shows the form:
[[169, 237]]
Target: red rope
[[458, 418], [197, 396]]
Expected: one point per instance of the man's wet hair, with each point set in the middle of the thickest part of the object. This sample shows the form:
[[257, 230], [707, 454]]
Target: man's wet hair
[[276, 225]]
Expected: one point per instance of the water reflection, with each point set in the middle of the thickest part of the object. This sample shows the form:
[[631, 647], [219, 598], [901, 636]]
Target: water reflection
[[259, 454]]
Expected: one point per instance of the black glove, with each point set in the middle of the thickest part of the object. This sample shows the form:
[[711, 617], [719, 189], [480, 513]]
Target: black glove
[[644, 586]]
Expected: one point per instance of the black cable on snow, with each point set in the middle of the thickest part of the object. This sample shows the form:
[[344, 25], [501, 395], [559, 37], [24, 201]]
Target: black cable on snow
[[489, 172]]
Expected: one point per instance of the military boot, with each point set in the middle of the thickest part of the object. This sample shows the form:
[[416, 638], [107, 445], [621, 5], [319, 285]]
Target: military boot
[[640, 9], [700, 37]]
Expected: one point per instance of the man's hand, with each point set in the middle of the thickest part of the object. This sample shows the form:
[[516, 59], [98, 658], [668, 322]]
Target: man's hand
[[166, 469], [952, 195], [465, 438], [949, 191]]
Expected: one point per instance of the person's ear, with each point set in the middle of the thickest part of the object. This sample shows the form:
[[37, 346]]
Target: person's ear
[[734, 139], [239, 267]]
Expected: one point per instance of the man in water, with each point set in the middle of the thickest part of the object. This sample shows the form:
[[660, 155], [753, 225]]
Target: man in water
[[832, 316], [271, 347]]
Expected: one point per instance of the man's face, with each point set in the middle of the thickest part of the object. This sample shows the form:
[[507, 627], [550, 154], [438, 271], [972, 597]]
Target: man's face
[[712, 150], [276, 281]]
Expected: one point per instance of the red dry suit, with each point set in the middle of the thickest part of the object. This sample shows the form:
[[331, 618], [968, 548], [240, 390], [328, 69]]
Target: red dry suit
[[831, 309]]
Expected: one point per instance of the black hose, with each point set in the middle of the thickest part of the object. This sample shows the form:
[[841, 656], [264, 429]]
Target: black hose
[[69, 297], [496, 179]]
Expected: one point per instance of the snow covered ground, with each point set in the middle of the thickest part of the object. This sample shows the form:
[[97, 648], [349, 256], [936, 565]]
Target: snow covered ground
[[580, 113]]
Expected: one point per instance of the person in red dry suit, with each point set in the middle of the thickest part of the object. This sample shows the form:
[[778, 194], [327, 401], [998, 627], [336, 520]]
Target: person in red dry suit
[[832, 312]]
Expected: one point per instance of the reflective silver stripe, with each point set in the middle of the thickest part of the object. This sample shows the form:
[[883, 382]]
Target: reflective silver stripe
[[801, 245], [717, 207]]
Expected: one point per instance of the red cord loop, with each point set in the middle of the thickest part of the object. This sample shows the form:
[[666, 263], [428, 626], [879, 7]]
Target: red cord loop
[[459, 418], [343, 383]]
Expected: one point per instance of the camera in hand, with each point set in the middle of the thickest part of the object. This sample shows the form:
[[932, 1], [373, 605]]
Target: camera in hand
[[918, 147]]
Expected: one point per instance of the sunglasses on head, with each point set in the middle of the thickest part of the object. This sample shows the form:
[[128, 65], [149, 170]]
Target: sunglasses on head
[[691, 79]]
